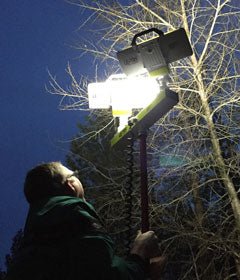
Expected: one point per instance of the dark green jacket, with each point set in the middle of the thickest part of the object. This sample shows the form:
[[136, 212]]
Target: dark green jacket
[[64, 239]]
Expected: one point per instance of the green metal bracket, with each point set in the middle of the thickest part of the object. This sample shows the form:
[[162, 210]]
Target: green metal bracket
[[164, 102]]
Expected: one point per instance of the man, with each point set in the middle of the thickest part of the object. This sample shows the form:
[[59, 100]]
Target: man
[[65, 239]]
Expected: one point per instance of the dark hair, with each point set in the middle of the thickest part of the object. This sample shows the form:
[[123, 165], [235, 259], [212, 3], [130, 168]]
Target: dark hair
[[44, 180]]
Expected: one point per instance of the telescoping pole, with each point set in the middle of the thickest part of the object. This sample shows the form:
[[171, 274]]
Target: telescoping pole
[[157, 263], [144, 180]]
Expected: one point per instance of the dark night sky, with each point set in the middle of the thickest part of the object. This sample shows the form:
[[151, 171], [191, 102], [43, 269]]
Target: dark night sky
[[34, 36]]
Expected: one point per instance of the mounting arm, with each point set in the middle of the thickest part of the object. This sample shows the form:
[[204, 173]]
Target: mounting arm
[[163, 103]]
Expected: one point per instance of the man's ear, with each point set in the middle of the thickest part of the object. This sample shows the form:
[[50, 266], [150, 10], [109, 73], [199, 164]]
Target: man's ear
[[70, 186]]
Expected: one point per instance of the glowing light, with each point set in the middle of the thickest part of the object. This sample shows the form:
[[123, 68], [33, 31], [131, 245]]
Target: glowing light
[[98, 96], [123, 93]]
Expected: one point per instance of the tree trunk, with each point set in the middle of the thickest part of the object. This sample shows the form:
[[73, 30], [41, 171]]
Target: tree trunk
[[197, 200], [217, 155]]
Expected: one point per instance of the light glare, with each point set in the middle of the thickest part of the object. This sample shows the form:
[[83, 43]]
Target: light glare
[[123, 93]]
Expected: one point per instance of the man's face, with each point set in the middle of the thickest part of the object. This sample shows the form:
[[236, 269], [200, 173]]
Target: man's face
[[72, 181]]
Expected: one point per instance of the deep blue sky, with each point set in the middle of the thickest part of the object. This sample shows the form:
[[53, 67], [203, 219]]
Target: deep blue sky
[[33, 37]]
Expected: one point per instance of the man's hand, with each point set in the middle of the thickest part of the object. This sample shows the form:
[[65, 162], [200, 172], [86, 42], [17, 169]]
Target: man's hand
[[146, 246], [156, 268]]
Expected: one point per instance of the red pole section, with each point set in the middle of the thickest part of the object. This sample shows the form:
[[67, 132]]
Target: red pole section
[[144, 181]]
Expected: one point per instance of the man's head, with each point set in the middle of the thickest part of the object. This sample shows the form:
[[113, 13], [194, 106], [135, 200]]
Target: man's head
[[51, 179]]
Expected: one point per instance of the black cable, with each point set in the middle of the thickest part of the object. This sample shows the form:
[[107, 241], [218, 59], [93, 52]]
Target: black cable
[[129, 189]]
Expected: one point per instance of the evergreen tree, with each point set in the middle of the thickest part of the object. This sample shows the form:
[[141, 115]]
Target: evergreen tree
[[2, 274], [17, 239]]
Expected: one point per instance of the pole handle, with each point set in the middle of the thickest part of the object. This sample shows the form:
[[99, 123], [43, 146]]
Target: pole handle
[[159, 32]]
